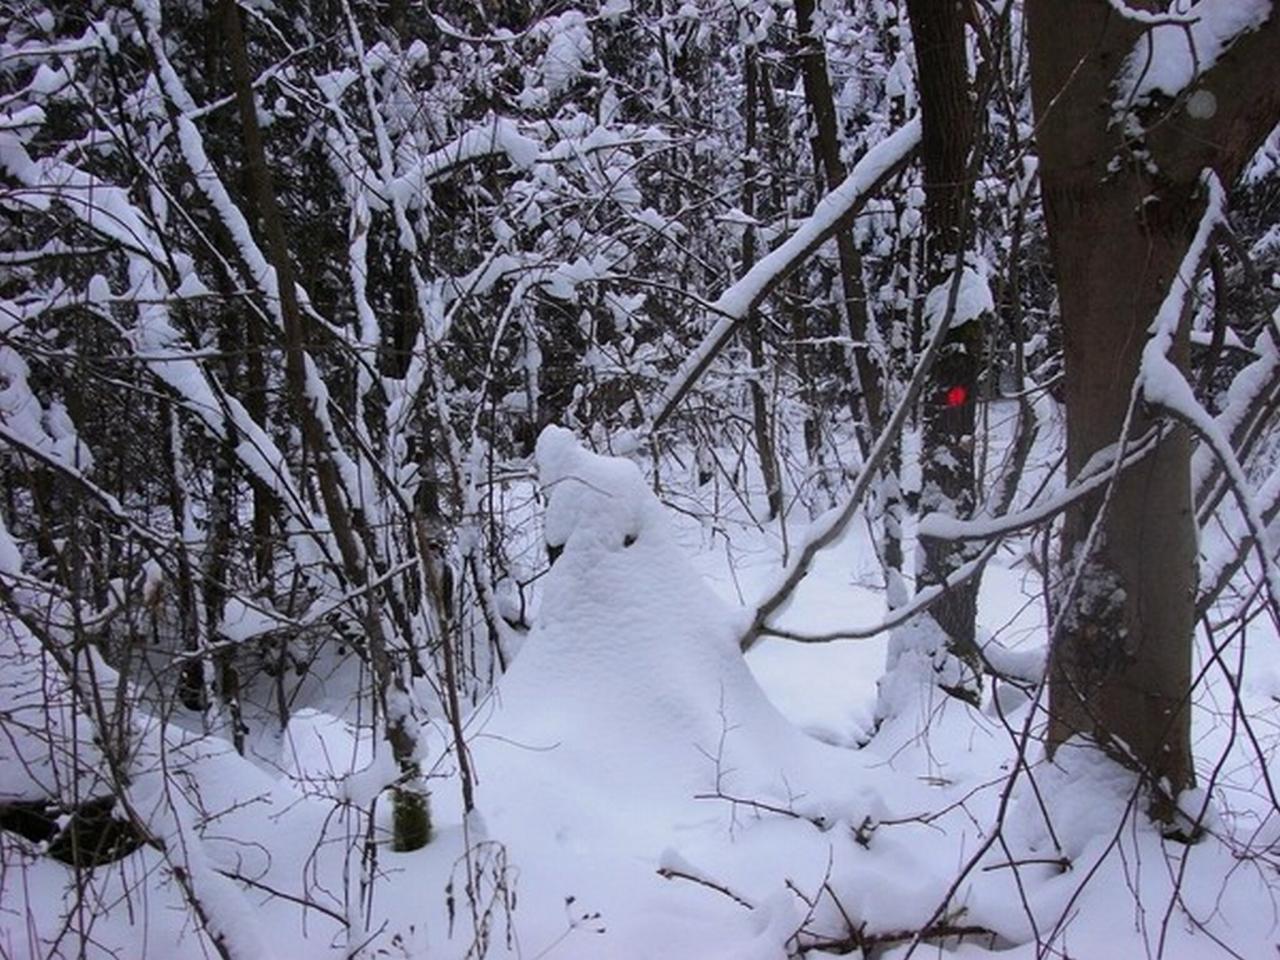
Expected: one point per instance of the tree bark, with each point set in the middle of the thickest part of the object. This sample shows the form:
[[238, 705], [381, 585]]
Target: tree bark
[[868, 401], [755, 341], [1120, 225], [891, 501], [192, 690], [947, 473]]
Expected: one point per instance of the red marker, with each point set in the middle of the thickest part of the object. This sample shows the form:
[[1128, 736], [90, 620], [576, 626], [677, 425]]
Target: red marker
[[956, 396]]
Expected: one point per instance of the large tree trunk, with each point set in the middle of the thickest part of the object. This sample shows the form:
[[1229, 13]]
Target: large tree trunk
[[1120, 224], [1122, 666]]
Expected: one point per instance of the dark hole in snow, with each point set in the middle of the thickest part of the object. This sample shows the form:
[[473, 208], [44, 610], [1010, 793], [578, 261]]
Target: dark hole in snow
[[89, 836], [554, 550], [629, 539]]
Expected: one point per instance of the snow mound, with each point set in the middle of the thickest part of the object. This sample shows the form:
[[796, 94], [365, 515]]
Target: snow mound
[[47, 751], [629, 733], [593, 499], [632, 671]]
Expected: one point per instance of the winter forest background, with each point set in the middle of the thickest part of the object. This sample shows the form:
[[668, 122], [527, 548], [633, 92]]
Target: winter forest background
[[641, 478]]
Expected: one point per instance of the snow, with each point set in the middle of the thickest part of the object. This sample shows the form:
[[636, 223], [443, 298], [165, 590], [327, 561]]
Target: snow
[[28, 423], [648, 793], [1097, 475], [562, 282], [42, 718], [243, 621], [496, 135], [568, 48], [878, 161], [102, 206], [638, 648], [1164, 385], [973, 299], [1178, 49], [10, 556]]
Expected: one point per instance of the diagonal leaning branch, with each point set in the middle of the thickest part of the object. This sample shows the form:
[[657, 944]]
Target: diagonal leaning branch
[[736, 303], [828, 528]]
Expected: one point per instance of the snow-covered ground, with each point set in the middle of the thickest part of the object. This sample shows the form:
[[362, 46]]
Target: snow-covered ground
[[643, 791]]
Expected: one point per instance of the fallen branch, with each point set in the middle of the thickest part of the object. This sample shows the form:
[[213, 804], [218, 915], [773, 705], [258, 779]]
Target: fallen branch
[[818, 821], [866, 942], [919, 602], [940, 526], [670, 873]]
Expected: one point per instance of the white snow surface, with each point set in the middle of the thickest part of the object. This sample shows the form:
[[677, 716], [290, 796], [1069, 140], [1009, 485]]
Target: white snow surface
[[599, 757], [1180, 48], [639, 650], [973, 299], [41, 717]]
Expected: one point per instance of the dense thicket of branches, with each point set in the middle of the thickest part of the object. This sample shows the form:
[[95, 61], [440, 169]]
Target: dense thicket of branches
[[288, 291]]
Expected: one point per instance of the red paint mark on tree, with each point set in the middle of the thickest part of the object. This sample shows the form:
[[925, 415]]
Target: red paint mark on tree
[[956, 396]]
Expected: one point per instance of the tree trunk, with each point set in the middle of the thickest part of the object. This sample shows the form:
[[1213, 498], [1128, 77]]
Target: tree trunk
[[891, 501], [947, 474], [868, 400], [256, 405], [1122, 666], [192, 689], [755, 341], [1120, 225]]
